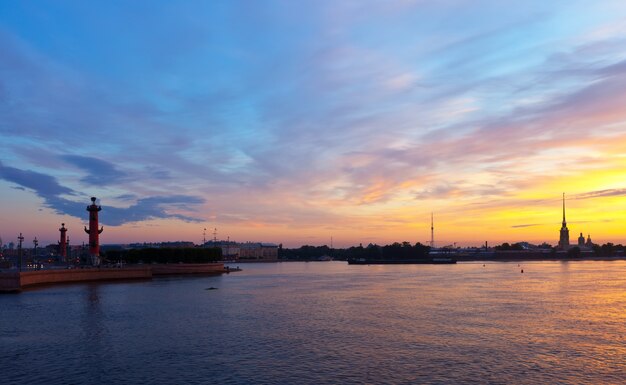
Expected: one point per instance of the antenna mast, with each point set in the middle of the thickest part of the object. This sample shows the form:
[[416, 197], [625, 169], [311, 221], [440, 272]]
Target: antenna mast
[[432, 231]]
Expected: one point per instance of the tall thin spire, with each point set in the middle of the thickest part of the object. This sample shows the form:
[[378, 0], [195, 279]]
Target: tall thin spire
[[564, 233], [432, 231], [564, 223]]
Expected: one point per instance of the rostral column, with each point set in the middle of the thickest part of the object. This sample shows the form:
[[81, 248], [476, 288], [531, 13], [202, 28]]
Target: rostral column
[[94, 232], [63, 243]]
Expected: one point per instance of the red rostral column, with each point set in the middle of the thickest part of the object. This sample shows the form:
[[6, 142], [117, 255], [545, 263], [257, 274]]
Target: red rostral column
[[63, 242], [94, 244]]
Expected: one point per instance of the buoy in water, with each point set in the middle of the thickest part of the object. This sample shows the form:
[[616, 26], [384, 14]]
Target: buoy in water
[[211, 288], [522, 271]]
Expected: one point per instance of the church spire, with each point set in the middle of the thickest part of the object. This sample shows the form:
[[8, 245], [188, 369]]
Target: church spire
[[564, 234]]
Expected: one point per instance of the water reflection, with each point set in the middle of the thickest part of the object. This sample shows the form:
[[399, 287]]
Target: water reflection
[[329, 323], [94, 334]]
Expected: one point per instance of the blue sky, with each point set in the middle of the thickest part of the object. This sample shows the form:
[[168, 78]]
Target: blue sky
[[295, 121]]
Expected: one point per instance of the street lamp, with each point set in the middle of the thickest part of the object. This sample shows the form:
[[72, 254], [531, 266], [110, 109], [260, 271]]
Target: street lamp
[[35, 242]]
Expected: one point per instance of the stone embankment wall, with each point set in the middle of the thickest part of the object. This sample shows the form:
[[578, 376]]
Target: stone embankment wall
[[9, 282], [15, 281]]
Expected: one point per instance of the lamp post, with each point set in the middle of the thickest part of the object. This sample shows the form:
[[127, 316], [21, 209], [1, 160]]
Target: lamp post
[[35, 242], [19, 251], [204, 238]]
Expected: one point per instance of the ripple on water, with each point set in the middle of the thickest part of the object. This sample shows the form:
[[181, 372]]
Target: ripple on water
[[327, 323]]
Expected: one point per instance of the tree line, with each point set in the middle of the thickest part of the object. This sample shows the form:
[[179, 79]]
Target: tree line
[[404, 250], [166, 255], [605, 250]]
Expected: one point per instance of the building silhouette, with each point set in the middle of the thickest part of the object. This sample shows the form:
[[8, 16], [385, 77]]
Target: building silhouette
[[584, 245], [564, 236]]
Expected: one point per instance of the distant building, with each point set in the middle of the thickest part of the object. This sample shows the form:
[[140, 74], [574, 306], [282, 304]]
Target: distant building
[[160, 245], [258, 250], [249, 250], [230, 250], [589, 243]]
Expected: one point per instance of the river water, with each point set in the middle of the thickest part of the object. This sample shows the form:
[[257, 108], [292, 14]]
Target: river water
[[327, 323]]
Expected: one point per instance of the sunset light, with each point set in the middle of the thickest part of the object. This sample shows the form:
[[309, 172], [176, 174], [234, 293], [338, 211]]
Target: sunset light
[[295, 122]]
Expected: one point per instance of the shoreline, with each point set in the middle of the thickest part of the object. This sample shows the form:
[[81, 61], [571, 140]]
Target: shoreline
[[16, 281], [547, 258], [466, 258]]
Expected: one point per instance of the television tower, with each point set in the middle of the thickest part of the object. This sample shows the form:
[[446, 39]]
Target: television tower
[[432, 231]]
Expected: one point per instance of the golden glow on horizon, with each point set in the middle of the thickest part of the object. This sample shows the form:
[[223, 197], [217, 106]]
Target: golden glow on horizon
[[535, 223], [362, 146]]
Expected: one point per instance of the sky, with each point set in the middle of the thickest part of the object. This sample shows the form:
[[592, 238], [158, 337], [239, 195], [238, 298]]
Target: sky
[[298, 122]]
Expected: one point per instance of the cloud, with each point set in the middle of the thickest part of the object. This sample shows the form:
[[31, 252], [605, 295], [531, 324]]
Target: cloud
[[100, 172], [504, 143], [359, 108], [43, 185], [154, 207], [601, 193], [126, 197]]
